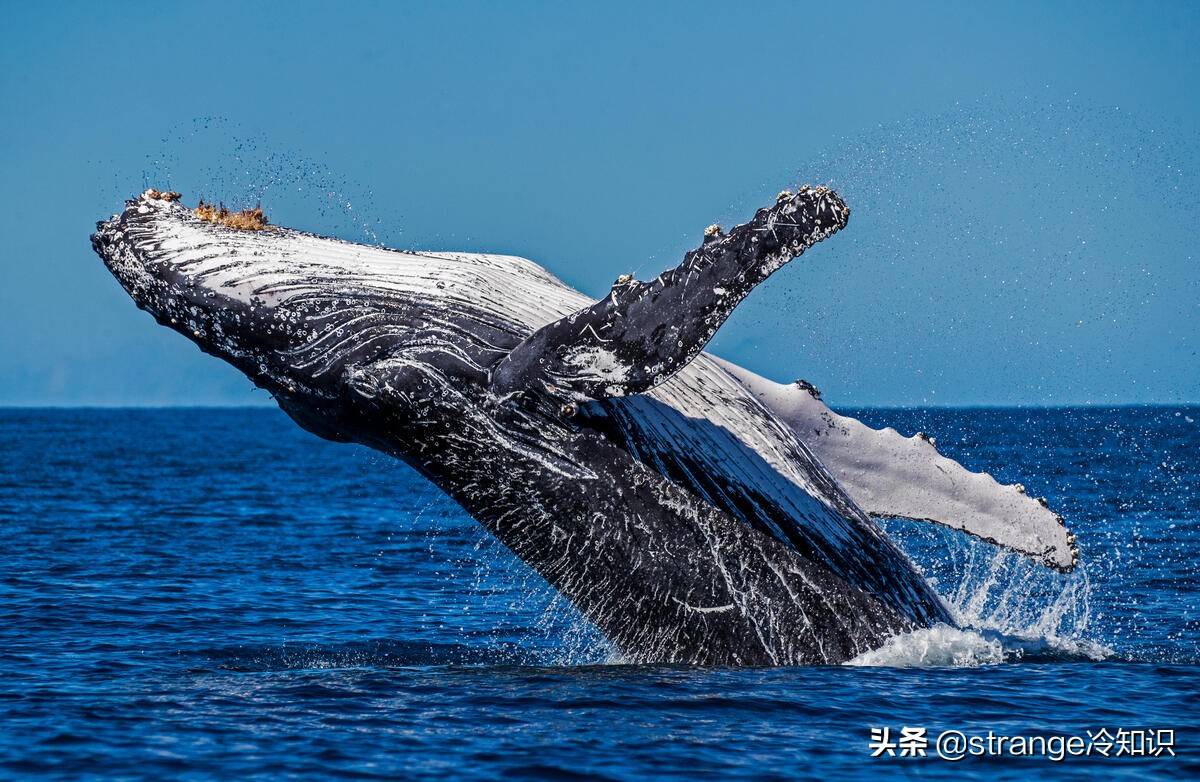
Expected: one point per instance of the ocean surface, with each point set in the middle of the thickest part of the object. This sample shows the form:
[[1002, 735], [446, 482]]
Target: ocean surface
[[215, 594]]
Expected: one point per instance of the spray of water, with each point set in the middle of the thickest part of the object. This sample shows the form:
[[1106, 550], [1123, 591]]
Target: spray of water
[[1007, 608], [218, 160]]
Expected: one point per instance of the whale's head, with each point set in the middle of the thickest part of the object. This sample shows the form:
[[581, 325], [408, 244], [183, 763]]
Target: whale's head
[[204, 273], [301, 314]]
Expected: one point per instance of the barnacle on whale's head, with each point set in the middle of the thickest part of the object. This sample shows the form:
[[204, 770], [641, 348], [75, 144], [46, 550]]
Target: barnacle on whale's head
[[244, 220], [162, 195]]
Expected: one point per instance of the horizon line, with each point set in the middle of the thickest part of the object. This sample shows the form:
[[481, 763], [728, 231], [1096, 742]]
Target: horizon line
[[970, 406]]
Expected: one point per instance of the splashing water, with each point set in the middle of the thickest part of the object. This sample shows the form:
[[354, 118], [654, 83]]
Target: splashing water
[[1007, 608], [1118, 477]]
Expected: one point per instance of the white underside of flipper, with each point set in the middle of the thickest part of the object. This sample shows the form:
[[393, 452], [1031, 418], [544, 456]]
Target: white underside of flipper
[[889, 475]]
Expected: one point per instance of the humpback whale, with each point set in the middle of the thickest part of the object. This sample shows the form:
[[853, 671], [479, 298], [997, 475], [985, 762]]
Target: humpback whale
[[692, 511]]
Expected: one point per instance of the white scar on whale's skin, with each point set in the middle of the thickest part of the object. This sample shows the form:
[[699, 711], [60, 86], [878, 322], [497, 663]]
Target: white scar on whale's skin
[[884, 473]]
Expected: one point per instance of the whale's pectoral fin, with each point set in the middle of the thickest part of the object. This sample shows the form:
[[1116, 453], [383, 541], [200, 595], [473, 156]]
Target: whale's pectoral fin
[[641, 333], [889, 475]]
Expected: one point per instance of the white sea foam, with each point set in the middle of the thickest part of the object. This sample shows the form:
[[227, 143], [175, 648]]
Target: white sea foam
[[951, 647], [941, 645], [1007, 609]]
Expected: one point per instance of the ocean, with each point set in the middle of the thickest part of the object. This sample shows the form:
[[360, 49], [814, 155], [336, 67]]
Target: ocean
[[215, 594]]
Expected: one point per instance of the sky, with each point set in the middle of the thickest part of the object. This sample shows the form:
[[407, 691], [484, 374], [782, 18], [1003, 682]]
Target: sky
[[1022, 175]]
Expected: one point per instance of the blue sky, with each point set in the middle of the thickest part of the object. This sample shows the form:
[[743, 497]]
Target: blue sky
[[1022, 175]]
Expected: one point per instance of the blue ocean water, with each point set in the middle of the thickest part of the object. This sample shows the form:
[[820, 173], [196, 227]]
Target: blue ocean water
[[216, 594]]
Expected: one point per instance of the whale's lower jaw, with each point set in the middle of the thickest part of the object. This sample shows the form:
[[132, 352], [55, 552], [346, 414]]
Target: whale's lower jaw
[[686, 522]]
